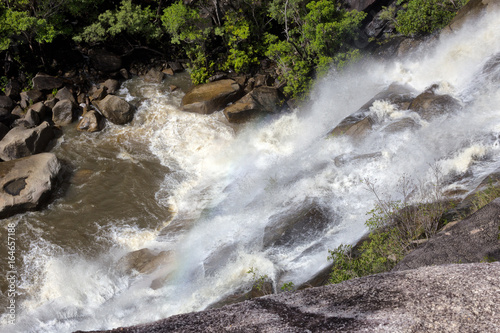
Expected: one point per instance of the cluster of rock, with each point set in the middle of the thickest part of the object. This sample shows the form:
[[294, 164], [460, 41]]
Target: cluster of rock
[[31, 119], [240, 98]]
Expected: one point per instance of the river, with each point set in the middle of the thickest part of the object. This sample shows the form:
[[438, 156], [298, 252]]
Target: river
[[206, 192]]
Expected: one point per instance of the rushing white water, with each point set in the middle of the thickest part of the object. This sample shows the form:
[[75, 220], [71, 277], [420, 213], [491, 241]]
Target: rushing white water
[[221, 186]]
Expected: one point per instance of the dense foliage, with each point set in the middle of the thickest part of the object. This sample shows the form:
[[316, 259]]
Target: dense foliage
[[426, 16], [302, 38]]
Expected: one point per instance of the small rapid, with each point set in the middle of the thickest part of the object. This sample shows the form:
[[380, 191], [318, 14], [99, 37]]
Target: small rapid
[[213, 196]]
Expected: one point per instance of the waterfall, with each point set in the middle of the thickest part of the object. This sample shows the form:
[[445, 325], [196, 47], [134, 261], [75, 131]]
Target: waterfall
[[213, 197]]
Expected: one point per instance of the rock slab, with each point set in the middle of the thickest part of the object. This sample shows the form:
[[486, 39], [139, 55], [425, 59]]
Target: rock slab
[[26, 183], [450, 298], [473, 239]]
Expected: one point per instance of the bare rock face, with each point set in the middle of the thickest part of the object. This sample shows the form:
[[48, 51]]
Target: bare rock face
[[451, 298], [21, 142], [259, 101], [115, 109], [26, 183], [210, 97], [474, 239]]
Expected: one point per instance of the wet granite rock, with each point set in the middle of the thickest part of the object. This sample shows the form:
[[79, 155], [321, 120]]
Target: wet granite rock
[[91, 121], [450, 298], [259, 101], [361, 122], [27, 183], [154, 76], [116, 109], [21, 142], [430, 105], [210, 97], [293, 227]]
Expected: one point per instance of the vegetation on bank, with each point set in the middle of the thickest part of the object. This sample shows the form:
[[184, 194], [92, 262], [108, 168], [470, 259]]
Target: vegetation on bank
[[302, 39], [397, 227]]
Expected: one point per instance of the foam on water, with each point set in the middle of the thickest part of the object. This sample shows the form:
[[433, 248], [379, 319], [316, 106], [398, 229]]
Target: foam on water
[[225, 185]]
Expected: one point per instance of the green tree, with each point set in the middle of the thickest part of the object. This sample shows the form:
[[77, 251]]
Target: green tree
[[186, 27], [426, 16], [317, 35], [129, 21]]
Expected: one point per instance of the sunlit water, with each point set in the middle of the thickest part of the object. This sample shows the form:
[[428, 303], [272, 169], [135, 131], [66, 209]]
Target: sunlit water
[[206, 190]]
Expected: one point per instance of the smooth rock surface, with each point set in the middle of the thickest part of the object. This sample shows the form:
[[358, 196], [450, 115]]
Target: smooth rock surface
[[27, 182], [91, 121], [451, 298]]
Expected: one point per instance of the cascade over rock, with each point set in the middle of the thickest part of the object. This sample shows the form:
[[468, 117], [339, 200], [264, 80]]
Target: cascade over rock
[[26, 183], [210, 97], [260, 100], [429, 104]]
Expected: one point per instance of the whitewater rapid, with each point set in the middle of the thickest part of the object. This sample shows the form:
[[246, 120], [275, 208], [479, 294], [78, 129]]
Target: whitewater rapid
[[214, 188]]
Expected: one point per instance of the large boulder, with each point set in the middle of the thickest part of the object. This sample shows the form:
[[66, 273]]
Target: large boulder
[[210, 97], [30, 97], [154, 75], [451, 298], [63, 112], [430, 105], [22, 142], [474, 239], [91, 121], [296, 226], [144, 260], [27, 183], [116, 109], [46, 82], [361, 122], [65, 93], [261, 100]]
